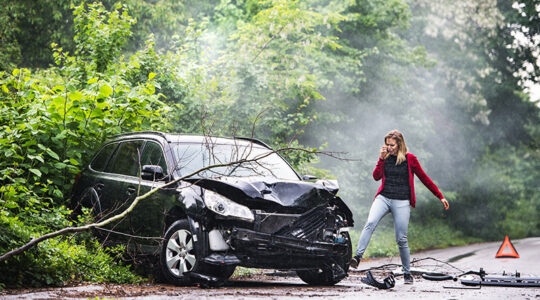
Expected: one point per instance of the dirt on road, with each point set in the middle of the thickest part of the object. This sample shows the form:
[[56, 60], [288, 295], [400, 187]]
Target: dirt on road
[[284, 285]]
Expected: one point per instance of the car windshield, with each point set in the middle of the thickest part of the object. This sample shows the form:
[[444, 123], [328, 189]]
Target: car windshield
[[194, 156]]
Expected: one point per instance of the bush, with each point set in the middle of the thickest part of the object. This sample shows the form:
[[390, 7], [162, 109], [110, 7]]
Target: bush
[[50, 122], [62, 260]]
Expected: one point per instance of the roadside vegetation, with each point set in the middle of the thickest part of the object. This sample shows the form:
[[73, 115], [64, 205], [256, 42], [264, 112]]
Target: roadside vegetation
[[324, 75]]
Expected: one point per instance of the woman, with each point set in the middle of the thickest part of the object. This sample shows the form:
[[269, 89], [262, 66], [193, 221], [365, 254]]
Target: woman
[[396, 167]]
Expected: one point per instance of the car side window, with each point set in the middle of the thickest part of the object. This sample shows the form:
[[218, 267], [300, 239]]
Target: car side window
[[100, 160], [153, 155], [127, 160]]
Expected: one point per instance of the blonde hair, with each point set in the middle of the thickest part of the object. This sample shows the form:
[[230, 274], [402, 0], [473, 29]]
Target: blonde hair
[[402, 148]]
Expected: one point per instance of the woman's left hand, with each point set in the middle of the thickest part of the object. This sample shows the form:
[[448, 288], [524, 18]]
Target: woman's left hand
[[445, 204]]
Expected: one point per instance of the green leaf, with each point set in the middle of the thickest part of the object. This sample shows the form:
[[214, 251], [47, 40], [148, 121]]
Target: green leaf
[[60, 165], [91, 80], [52, 154], [58, 88], [36, 171], [96, 113], [36, 157], [150, 89], [151, 75], [58, 193], [105, 91], [75, 96], [59, 100], [73, 161], [11, 204], [29, 143]]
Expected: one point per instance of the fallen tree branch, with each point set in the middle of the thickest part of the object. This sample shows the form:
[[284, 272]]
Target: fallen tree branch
[[137, 199]]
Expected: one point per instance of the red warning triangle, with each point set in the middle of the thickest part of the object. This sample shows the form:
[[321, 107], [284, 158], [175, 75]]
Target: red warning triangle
[[513, 253]]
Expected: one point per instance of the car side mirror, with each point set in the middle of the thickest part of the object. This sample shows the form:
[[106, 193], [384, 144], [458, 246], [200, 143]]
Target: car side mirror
[[309, 177], [152, 172]]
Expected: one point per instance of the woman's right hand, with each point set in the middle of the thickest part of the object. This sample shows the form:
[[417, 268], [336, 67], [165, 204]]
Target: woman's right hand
[[384, 153]]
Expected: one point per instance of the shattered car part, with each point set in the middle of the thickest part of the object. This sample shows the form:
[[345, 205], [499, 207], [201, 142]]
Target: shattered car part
[[438, 276], [434, 276], [514, 280], [506, 281], [253, 213], [206, 281], [388, 282]]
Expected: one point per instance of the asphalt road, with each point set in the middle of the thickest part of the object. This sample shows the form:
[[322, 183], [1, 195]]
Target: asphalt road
[[278, 285]]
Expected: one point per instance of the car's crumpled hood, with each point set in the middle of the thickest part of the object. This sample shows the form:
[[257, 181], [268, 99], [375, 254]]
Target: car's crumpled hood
[[297, 194]]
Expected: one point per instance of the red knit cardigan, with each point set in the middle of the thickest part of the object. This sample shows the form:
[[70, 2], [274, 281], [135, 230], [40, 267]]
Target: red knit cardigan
[[414, 168]]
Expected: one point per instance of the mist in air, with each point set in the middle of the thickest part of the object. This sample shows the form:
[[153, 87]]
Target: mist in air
[[433, 103], [430, 85]]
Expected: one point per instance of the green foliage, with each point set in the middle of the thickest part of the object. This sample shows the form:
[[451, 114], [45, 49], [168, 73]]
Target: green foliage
[[164, 19], [502, 196], [10, 51], [240, 272], [440, 74], [60, 260], [263, 62], [50, 123], [27, 28], [51, 130], [100, 35], [305, 72]]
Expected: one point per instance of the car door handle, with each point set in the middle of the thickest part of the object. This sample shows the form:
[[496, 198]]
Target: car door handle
[[131, 190]]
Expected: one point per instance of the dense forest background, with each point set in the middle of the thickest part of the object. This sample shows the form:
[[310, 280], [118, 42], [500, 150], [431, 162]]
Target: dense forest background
[[455, 77]]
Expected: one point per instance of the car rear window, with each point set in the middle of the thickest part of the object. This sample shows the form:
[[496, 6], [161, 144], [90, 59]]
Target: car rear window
[[100, 160]]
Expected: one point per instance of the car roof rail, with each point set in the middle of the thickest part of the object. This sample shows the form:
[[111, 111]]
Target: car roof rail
[[141, 132], [254, 140], [166, 137]]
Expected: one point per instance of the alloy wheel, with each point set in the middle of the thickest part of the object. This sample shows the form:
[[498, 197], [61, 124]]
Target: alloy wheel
[[180, 255]]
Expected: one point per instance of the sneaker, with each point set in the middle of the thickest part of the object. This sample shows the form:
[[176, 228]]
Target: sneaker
[[408, 279], [354, 262]]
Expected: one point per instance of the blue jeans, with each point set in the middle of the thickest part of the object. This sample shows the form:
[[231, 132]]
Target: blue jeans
[[401, 211]]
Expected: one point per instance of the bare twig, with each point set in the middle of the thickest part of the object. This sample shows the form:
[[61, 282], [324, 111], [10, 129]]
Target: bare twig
[[131, 236], [268, 42]]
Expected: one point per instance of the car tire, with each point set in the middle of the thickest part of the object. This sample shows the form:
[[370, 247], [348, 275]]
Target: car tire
[[323, 275], [90, 199], [178, 257]]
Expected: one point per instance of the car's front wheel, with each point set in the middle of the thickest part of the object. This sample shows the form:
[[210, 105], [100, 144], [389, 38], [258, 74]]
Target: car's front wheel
[[178, 257], [324, 275]]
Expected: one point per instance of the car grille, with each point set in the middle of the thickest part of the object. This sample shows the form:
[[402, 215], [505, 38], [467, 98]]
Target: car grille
[[311, 225], [272, 222]]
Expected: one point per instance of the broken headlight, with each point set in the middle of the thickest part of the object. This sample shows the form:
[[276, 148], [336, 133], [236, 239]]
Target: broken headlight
[[225, 207]]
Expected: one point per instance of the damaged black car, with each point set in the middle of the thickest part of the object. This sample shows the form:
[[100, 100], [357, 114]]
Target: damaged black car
[[252, 209]]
